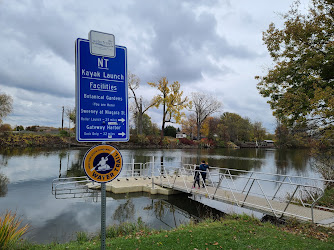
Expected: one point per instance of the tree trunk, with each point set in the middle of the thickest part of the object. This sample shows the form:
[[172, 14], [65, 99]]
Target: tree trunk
[[163, 121], [198, 130], [140, 118]]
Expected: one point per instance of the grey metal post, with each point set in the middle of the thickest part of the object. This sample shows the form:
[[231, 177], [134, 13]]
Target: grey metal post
[[279, 188], [103, 216], [152, 172], [290, 202]]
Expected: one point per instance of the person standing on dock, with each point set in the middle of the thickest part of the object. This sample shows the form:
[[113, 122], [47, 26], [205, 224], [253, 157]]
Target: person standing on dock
[[203, 167], [196, 177]]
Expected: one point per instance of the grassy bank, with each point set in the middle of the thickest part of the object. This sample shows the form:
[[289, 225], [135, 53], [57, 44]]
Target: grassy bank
[[229, 233], [9, 140]]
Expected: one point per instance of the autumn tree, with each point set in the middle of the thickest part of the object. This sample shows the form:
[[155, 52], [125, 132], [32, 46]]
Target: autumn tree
[[189, 125], [170, 98], [203, 105], [300, 86], [71, 114], [236, 128], [5, 127], [140, 108], [6, 105], [147, 126], [259, 132], [170, 131], [210, 128]]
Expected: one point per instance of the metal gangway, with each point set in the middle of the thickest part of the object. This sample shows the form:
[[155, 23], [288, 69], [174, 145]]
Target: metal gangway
[[78, 188], [281, 196]]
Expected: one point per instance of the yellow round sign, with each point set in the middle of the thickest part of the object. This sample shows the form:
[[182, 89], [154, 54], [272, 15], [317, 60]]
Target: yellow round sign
[[102, 163]]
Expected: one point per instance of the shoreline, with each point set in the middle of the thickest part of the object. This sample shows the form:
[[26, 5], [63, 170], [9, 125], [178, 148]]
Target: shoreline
[[37, 140]]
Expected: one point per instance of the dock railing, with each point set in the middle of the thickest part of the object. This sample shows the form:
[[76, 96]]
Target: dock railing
[[72, 187], [278, 192]]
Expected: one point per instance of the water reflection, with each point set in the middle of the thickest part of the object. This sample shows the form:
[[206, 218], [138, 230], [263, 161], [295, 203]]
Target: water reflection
[[26, 176], [296, 161], [3, 185], [125, 212]]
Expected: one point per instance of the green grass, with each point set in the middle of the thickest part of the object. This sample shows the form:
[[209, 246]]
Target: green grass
[[230, 233], [328, 199]]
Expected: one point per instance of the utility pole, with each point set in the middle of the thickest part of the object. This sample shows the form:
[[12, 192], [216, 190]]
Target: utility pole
[[69, 125], [62, 120]]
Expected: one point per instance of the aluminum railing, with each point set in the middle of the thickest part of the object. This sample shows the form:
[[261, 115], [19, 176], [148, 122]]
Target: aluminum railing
[[77, 187], [241, 185], [271, 187], [72, 187]]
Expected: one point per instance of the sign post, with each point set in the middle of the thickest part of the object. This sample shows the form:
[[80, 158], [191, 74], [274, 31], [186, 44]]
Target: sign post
[[101, 108], [103, 215], [103, 163]]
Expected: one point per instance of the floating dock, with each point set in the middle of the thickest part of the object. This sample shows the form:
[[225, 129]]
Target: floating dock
[[135, 184]]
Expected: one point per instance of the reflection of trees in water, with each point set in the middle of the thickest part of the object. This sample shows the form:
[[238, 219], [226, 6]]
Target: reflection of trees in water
[[282, 162], [27, 151], [160, 208], [62, 155], [7, 153], [287, 160], [125, 211], [75, 168], [243, 159], [3, 185], [181, 207]]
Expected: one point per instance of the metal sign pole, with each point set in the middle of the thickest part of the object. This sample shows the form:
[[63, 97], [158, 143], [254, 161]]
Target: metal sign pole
[[103, 216], [103, 213]]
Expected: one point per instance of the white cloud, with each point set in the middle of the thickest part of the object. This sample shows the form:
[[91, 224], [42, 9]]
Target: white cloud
[[213, 46]]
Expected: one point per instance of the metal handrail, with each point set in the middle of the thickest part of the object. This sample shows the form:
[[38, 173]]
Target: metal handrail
[[65, 179], [255, 178], [226, 179], [272, 174]]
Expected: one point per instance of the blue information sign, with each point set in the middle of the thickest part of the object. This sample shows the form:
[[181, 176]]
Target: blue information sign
[[101, 95]]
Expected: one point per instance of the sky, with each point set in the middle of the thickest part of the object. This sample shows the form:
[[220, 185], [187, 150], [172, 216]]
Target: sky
[[208, 46]]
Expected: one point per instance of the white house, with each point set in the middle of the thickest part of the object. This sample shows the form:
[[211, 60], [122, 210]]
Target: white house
[[181, 135]]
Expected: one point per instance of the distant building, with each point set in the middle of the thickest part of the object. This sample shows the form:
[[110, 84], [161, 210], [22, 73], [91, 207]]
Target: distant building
[[267, 144], [256, 144], [181, 135]]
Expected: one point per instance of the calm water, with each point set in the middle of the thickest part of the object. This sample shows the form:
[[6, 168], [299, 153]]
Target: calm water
[[26, 176]]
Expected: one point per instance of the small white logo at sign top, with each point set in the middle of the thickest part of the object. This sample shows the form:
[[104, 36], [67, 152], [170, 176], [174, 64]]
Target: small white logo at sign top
[[102, 44]]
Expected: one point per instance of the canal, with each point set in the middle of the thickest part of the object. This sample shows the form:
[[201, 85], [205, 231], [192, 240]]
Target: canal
[[26, 176]]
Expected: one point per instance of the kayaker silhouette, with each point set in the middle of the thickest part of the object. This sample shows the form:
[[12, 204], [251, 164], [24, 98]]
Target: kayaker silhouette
[[102, 165]]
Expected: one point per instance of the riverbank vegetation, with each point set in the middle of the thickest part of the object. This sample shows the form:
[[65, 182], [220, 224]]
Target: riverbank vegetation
[[299, 86], [10, 230], [230, 232]]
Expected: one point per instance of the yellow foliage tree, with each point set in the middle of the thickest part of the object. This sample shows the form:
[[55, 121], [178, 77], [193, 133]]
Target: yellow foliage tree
[[170, 98]]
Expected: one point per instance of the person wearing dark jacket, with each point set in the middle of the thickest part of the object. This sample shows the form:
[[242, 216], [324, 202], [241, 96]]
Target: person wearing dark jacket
[[203, 167], [196, 177]]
